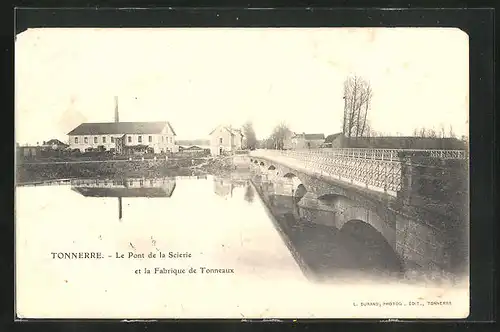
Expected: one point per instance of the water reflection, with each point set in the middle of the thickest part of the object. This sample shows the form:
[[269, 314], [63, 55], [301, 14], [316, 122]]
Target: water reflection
[[322, 251], [129, 187], [224, 186], [249, 193]]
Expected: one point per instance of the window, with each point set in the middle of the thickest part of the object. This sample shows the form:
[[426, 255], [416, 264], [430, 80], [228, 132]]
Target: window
[[104, 139], [139, 139], [76, 140], [163, 138], [129, 139], [112, 139], [95, 139], [150, 139], [86, 139], [220, 140]]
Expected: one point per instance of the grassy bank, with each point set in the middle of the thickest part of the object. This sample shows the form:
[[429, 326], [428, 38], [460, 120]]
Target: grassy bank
[[44, 171], [34, 172]]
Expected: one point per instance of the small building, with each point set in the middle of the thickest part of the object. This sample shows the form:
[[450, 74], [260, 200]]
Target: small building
[[194, 150], [224, 140], [28, 151], [124, 137], [307, 141], [55, 144], [287, 140], [335, 141]]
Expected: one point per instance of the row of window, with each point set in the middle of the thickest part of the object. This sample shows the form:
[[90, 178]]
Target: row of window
[[129, 139]]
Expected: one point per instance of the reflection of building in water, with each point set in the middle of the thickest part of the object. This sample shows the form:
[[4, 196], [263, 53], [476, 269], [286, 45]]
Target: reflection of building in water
[[224, 186], [131, 187]]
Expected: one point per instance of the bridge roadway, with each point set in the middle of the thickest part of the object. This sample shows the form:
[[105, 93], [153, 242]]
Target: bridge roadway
[[371, 188]]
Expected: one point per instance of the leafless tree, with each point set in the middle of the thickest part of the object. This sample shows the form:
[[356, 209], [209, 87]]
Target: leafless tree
[[280, 133], [249, 133], [432, 133], [451, 132], [442, 131], [357, 102]]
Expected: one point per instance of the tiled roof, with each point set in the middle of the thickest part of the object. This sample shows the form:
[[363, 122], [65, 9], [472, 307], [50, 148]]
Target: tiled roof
[[54, 141], [232, 131], [121, 128]]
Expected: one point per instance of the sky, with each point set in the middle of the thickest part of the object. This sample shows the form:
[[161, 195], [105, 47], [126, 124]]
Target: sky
[[198, 78]]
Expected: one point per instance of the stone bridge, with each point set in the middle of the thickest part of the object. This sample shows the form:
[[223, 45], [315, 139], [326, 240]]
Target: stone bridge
[[415, 200]]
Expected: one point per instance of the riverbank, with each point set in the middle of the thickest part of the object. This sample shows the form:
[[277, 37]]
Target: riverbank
[[109, 169], [222, 166]]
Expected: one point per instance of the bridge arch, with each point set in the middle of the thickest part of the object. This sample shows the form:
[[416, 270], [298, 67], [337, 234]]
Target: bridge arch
[[271, 168], [360, 213], [256, 161], [298, 188], [261, 163], [379, 252]]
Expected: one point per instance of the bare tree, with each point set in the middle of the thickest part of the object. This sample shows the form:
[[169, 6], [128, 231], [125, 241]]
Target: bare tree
[[442, 131], [249, 133], [432, 133], [280, 133], [357, 102], [451, 132]]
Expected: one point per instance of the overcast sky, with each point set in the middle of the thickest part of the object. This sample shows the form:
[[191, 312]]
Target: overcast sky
[[198, 78]]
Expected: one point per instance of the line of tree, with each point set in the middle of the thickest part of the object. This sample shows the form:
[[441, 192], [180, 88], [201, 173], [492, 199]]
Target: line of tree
[[433, 133], [357, 102], [280, 134]]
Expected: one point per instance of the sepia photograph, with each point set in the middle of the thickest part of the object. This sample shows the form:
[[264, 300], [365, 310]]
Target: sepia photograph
[[242, 173]]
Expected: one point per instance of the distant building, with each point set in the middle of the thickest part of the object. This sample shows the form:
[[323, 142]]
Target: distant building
[[287, 140], [28, 151], [194, 150], [124, 137], [55, 144], [307, 141], [224, 139], [335, 141]]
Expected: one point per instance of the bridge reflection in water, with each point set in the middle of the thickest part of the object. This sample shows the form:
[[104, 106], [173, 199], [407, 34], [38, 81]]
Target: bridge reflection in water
[[129, 188], [322, 251]]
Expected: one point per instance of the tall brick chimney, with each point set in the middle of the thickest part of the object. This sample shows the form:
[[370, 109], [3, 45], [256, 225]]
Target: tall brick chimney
[[117, 117]]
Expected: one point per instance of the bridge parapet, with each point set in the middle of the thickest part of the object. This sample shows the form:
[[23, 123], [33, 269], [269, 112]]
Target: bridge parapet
[[387, 154], [371, 173], [399, 173]]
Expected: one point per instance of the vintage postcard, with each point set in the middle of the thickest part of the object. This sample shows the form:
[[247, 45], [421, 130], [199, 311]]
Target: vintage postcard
[[245, 173]]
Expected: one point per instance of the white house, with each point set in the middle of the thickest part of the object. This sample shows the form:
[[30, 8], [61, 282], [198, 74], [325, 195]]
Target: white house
[[157, 137], [225, 139]]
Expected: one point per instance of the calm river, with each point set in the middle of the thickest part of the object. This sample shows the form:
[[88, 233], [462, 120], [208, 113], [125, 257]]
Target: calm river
[[255, 240]]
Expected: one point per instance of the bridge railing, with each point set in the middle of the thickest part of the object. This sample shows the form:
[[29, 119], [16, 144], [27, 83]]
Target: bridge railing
[[387, 154], [375, 174], [386, 170]]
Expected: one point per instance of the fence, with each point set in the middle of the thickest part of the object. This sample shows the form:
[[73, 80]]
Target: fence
[[383, 154]]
